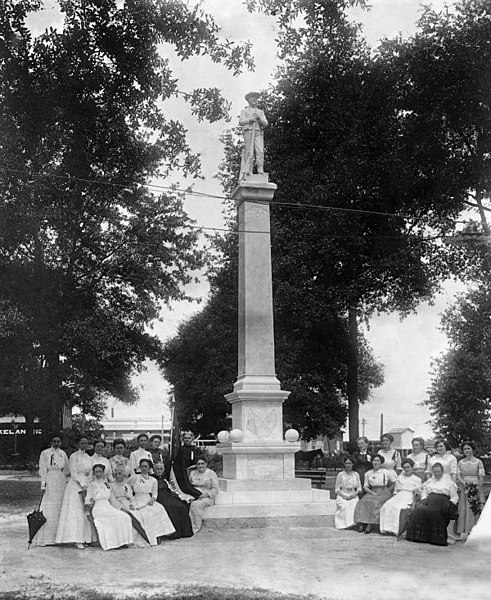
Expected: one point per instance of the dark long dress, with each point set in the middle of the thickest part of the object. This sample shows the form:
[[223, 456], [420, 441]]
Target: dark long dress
[[428, 522], [177, 509], [186, 457]]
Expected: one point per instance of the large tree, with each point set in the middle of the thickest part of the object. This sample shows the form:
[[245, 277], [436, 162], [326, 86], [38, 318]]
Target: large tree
[[460, 394], [87, 253]]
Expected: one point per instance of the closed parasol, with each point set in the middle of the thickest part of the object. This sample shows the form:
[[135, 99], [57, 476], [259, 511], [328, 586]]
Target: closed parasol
[[35, 521]]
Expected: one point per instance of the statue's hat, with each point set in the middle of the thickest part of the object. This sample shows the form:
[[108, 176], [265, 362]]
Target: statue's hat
[[252, 95]]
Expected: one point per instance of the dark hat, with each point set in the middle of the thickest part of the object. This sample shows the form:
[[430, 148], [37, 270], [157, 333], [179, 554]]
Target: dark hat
[[251, 95]]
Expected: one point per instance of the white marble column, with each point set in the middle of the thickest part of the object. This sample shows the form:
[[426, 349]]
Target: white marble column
[[257, 397]]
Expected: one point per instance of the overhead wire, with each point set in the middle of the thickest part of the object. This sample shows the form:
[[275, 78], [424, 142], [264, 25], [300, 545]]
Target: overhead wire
[[191, 192]]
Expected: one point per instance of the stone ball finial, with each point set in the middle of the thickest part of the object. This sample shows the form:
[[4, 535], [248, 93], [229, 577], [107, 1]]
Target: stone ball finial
[[223, 436], [236, 435], [291, 435]]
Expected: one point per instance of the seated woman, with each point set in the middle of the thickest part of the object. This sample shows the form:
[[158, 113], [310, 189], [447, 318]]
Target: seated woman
[[378, 487], [348, 488], [177, 508], [118, 459], [470, 480], [149, 512], [113, 526], [406, 485], [206, 482], [429, 521], [122, 499]]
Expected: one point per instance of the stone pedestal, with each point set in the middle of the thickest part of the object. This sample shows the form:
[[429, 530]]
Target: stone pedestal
[[259, 471]]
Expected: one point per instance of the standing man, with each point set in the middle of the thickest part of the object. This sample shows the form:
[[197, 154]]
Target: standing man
[[139, 453], [253, 121]]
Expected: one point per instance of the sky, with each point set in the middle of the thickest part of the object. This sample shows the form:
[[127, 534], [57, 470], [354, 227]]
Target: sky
[[405, 348]]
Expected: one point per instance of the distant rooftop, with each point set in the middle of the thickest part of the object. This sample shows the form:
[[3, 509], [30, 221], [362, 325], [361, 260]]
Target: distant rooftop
[[400, 430]]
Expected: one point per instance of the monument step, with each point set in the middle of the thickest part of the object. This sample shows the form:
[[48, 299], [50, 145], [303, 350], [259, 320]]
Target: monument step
[[271, 496], [318, 521], [283, 509]]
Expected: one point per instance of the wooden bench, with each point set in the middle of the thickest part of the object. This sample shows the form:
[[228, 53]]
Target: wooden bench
[[318, 477]]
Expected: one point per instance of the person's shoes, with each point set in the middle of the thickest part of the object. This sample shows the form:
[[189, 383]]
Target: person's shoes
[[360, 528], [368, 529], [80, 546]]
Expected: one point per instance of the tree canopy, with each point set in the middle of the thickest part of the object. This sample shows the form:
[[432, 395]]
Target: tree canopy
[[88, 253]]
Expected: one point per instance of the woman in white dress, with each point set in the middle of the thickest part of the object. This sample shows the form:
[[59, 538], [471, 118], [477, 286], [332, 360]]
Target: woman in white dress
[[149, 512], [122, 499], [118, 459], [470, 478], [392, 457], [113, 526], [347, 489], [420, 457], [54, 470], [205, 481], [73, 526], [445, 458], [378, 485], [99, 458], [406, 485]]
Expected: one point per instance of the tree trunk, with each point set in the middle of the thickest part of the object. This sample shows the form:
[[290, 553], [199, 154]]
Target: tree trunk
[[352, 376]]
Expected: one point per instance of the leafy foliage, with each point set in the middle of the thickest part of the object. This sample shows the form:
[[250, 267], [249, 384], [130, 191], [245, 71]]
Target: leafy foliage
[[87, 253], [460, 394]]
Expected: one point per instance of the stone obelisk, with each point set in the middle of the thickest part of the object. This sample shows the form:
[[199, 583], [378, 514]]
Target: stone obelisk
[[258, 463]]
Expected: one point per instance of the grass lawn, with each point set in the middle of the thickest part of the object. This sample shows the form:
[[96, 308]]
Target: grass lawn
[[180, 593], [18, 496]]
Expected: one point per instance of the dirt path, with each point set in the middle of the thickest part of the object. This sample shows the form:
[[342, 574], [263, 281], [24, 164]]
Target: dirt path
[[324, 562]]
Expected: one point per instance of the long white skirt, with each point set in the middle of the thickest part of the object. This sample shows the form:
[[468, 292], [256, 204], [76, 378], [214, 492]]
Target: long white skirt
[[113, 526], [196, 509], [390, 511], [154, 518], [480, 536], [51, 507], [73, 526], [345, 510]]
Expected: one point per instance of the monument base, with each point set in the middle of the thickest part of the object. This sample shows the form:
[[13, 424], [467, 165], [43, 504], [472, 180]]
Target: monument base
[[261, 504]]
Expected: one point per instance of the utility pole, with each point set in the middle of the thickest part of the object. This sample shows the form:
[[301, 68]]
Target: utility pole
[[363, 423]]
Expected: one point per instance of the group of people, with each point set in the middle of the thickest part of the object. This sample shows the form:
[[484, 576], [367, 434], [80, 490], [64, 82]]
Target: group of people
[[134, 500], [435, 499]]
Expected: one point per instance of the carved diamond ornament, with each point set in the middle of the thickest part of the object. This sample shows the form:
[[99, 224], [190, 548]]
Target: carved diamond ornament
[[261, 422]]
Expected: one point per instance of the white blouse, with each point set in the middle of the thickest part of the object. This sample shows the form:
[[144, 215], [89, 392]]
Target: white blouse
[[405, 483], [444, 485], [347, 482], [52, 459], [80, 467], [448, 462], [420, 460], [206, 483], [392, 458], [379, 478]]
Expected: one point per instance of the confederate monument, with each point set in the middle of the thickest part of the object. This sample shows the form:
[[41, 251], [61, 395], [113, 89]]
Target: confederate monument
[[258, 463]]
